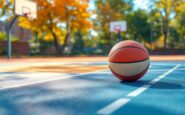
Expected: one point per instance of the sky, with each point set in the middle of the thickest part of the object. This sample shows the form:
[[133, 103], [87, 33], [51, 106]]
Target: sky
[[141, 4], [138, 4]]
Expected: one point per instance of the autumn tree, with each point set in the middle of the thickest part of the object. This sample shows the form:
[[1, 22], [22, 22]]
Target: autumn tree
[[166, 12], [6, 7], [73, 14], [179, 23]]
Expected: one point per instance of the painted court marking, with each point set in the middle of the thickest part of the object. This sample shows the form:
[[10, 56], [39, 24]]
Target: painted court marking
[[112, 107], [138, 91], [43, 64], [156, 70], [50, 80]]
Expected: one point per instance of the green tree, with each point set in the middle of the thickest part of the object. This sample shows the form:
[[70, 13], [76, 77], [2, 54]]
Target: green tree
[[166, 12], [78, 46], [138, 27]]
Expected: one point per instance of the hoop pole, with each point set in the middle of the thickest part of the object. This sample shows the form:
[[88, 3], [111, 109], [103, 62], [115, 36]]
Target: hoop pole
[[9, 45], [119, 36]]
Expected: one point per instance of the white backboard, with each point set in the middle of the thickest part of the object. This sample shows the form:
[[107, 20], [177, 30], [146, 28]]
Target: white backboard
[[118, 25], [23, 7]]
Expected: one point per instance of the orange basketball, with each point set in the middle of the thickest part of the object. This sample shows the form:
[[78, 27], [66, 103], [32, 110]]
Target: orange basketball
[[129, 60]]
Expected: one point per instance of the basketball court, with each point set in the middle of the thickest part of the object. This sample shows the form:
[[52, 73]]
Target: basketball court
[[85, 85], [66, 86]]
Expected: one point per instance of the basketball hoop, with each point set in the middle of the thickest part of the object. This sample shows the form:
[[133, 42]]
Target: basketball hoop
[[27, 12], [26, 8], [117, 28], [28, 15]]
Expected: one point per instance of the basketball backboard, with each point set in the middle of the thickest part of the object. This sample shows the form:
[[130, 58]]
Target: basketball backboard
[[118, 26], [26, 8]]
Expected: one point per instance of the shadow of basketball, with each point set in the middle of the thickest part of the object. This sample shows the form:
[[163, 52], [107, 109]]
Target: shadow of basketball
[[158, 85]]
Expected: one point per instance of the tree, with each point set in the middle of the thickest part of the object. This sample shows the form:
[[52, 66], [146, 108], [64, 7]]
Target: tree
[[138, 26], [107, 11], [179, 23], [73, 14], [78, 46], [6, 9], [166, 12]]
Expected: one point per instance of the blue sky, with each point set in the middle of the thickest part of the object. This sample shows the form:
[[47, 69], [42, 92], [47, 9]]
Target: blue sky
[[141, 4]]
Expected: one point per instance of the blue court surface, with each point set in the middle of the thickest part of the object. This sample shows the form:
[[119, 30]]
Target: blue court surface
[[160, 92]]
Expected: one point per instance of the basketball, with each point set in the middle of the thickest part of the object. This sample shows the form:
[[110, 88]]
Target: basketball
[[128, 60]]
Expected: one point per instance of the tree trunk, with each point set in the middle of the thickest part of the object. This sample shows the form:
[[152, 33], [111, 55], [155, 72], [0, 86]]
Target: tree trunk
[[60, 49], [56, 42], [57, 45], [165, 38], [65, 42], [165, 31], [165, 27]]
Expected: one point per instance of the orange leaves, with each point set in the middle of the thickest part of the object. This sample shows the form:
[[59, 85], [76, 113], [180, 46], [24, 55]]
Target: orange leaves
[[6, 7], [58, 32], [73, 13], [1, 3]]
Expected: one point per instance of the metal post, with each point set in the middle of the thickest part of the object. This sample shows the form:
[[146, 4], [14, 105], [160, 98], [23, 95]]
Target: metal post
[[9, 44], [9, 52], [151, 34], [119, 36]]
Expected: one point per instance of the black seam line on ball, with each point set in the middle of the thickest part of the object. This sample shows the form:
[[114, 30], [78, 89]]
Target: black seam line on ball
[[130, 47], [132, 62]]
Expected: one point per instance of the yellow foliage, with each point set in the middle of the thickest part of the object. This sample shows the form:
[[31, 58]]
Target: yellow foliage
[[169, 5], [48, 37], [160, 42], [6, 6], [12, 1], [180, 6], [165, 4], [72, 12], [150, 46], [157, 14]]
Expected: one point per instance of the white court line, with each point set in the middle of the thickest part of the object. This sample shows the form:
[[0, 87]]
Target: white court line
[[138, 91], [44, 81], [113, 106], [144, 87], [45, 63], [164, 75], [109, 109], [164, 69]]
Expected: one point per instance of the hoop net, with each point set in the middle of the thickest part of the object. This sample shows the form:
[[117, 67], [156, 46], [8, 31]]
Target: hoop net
[[117, 28], [27, 13]]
